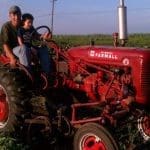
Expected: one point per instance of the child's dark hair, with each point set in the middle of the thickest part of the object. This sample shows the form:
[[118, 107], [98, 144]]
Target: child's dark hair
[[27, 16]]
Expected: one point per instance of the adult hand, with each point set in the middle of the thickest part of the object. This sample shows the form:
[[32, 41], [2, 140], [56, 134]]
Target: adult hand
[[13, 61]]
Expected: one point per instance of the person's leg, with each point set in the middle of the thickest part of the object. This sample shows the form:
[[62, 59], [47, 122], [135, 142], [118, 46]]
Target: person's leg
[[44, 59], [23, 53]]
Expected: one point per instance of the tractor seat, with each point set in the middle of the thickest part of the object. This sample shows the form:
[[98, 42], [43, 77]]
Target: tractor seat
[[4, 59]]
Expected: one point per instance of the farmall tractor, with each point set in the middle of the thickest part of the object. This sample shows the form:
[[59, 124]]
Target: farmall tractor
[[99, 95]]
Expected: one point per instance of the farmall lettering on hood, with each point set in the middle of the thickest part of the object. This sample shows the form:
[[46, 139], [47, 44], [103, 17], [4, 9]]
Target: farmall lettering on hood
[[103, 54]]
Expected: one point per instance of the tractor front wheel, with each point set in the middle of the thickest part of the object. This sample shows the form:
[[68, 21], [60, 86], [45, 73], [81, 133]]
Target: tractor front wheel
[[92, 136]]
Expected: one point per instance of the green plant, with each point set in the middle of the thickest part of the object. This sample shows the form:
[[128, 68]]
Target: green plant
[[9, 143]]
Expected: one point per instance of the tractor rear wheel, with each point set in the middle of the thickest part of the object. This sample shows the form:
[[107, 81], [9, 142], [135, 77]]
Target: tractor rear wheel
[[13, 97], [92, 136]]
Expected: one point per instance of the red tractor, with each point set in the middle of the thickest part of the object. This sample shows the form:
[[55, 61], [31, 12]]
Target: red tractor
[[110, 94], [99, 94]]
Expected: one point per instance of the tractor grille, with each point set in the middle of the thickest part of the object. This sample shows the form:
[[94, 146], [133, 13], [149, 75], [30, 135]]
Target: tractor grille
[[145, 79]]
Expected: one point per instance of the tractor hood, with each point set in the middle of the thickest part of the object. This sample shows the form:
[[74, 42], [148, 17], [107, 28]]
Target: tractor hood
[[105, 54]]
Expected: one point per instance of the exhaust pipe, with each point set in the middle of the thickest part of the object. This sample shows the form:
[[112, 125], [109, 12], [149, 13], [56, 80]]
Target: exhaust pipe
[[122, 14]]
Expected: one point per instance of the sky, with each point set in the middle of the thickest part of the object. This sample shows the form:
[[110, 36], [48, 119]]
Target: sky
[[83, 16]]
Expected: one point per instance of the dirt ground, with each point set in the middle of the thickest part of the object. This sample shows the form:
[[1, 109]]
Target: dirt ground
[[63, 144]]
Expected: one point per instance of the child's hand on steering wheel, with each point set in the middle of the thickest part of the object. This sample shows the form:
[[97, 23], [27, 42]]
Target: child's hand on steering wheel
[[46, 36], [41, 37]]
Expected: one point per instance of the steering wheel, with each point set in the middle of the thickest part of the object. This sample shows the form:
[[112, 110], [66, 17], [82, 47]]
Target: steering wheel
[[39, 41]]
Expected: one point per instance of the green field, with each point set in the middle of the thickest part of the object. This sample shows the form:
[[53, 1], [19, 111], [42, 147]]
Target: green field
[[135, 40]]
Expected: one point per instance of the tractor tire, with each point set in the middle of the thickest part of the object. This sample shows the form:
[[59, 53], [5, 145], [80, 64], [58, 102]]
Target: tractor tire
[[92, 136], [13, 98]]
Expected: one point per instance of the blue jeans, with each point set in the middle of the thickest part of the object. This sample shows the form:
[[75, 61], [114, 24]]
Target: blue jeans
[[24, 55]]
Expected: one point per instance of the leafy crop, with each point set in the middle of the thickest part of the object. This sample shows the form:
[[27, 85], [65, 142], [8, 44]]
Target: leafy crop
[[8, 143]]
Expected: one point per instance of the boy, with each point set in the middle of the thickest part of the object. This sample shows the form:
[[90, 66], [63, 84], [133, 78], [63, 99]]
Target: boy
[[25, 32], [25, 39]]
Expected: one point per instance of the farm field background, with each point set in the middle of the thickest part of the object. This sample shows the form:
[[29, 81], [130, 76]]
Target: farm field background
[[135, 40]]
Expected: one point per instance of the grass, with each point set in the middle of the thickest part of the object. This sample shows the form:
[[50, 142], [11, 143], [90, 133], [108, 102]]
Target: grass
[[135, 40], [8, 143]]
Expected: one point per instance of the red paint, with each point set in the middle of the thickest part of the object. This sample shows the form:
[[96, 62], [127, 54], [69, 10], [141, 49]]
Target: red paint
[[4, 59], [4, 110], [91, 143], [137, 59], [146, 125]]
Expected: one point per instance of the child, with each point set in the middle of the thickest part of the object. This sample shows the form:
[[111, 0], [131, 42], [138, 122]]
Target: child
[[25, 39], [24, 32]]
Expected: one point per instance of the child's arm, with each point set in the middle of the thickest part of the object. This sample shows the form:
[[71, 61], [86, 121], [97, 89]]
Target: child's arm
[[19, 36], [20, 41]]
